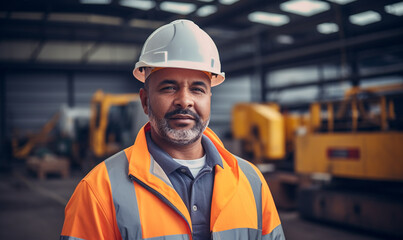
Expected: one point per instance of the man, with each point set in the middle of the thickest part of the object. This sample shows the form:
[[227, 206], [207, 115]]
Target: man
[[177, 181]]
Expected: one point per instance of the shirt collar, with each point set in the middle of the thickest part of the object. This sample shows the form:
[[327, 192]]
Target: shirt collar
[[212, 156], [169, 165]]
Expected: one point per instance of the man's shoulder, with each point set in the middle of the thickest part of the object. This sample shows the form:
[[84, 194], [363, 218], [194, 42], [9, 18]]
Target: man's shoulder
[[248, 168], [243, 161], [100, 171]]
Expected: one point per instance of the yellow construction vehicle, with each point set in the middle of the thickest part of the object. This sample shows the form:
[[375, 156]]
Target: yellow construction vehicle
[[348, 156], [23, 150], [356, 145], [265, 132], [260, 127], [359, 137], [115, 120]]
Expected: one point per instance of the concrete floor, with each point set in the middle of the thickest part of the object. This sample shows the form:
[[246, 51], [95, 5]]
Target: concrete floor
[[33, 209]]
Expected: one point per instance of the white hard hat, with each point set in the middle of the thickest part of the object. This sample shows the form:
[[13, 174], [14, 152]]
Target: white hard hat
[[180, 44]]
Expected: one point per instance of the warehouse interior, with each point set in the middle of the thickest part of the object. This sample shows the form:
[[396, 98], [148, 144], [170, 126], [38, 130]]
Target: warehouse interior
[[313, 96]]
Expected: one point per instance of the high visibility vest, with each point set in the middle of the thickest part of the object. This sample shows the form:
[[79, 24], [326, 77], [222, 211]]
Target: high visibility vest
[[128, 196]]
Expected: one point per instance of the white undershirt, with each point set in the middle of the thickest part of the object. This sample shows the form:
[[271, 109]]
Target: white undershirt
[[194, 165]]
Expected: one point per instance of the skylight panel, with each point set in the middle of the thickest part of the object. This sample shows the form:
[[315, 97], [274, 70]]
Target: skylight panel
[[140, 23], [178, 7], [85, 18], [95, 1], [139, 4], [305, 7], [365, 18], [206, 10], [327, 28], [113, 53], [62, 51], [342, 2], [272, 19], [228, 2], [395, 9], [108, 20], [65, 17]]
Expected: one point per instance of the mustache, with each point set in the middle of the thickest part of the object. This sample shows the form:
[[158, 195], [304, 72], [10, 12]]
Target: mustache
[[184, 112]]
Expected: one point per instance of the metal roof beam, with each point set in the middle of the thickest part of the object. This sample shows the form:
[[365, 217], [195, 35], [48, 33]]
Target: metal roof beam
[[35, 53], [90, 51], [37, 30], [282, 56]]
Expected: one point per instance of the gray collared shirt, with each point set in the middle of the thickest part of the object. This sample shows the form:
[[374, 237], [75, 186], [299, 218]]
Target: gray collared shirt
[[196, 192]]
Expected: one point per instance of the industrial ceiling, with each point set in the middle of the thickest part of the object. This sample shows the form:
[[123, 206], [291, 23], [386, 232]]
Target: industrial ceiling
[[98, 35]]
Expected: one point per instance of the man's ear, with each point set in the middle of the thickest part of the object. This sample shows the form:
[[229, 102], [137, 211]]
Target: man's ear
[[144, 100]]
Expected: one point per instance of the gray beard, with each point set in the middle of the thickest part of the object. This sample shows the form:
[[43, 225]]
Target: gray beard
[[177, 137]]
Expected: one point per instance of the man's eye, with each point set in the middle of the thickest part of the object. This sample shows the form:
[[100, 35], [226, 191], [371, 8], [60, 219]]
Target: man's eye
[[199, 90], [168, 88]]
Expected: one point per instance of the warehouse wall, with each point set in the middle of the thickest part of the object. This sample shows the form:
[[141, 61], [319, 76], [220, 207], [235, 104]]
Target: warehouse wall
[[86, 84], [231, 91], [32, 99]]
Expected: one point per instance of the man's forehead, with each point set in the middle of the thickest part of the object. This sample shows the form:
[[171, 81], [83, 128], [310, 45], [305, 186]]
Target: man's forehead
[[179, 76]]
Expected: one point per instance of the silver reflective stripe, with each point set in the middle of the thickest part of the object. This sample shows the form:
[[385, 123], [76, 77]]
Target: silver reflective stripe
[[124, 196], [69, 238], [276, 234], [256, 185], [157, 171], [238, 234], [171, 237]]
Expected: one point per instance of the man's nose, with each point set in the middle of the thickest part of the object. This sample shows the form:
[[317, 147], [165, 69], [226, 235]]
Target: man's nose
[[184, 99]]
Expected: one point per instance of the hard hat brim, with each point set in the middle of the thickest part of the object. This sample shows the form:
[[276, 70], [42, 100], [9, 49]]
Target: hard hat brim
[[216, 79]]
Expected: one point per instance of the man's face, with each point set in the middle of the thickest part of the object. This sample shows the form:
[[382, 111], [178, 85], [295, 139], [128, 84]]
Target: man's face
[[177, 102]]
